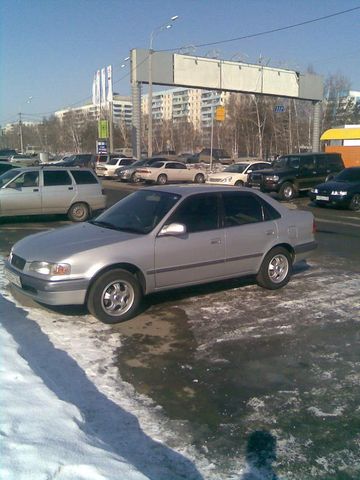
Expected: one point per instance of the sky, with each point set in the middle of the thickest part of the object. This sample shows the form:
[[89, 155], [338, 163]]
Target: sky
[[50, 49]]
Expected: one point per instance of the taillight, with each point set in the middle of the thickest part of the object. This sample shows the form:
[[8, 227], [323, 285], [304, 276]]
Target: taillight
[[314, 226]]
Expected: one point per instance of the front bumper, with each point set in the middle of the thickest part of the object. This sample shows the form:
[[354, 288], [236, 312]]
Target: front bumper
[[328, 199], [60, 292]]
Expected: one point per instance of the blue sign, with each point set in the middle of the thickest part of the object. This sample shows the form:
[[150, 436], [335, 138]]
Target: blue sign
[[279, 108]]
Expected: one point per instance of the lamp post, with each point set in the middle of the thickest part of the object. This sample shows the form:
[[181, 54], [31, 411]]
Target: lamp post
[[165, 26], [20, 127]]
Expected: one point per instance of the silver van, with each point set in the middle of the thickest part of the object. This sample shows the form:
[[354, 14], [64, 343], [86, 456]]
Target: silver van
[[50, 190]]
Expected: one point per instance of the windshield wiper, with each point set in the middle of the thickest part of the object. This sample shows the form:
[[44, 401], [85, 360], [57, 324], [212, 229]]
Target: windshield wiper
[[99, 223]]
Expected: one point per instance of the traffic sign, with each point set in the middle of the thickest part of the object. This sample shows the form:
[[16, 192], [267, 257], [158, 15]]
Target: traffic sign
[[279, 109], [220, 113]]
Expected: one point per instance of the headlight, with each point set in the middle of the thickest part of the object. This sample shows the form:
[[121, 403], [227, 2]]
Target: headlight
[[338, 192], [46, 268], [314, 190], [272, 178]]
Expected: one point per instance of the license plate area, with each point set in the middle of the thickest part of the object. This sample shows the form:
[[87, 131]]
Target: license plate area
[[13, 278], [322, 197]]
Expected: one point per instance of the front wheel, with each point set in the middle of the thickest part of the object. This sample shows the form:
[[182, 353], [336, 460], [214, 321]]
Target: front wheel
[[287, 191], [275, 270], [239, 183], [79, 212], [199, 178], [355, 202], [115, 296]]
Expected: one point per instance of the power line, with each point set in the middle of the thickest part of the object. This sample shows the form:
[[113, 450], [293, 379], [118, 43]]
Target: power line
[[274, 30]]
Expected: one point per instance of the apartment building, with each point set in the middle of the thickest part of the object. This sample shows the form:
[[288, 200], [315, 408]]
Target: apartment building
[[194, 105], [121, 105]]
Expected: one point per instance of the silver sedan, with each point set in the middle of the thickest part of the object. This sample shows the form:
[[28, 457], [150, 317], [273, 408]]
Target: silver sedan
[[158, 239]]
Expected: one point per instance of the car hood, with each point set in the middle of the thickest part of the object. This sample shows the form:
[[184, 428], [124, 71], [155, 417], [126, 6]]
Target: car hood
[[59, 244], [334, 185]]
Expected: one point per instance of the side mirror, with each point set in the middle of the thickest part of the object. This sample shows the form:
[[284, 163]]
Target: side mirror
[[173, 229]]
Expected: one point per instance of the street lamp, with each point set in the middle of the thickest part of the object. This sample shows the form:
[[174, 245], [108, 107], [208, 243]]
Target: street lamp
[[165, 26], [20, 126]]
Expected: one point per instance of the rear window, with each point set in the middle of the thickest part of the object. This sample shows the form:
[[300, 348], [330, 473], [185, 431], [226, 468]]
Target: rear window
[[83, 177], [56, 177]]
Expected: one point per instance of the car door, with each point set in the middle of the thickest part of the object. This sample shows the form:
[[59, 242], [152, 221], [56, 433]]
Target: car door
[[307, 173], [22, 196], [177, 172], [58, 191], [250, 231], [198, 255]]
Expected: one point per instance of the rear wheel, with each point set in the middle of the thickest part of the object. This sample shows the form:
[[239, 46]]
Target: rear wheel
[[199, 178], [275, 270], [287, 191], [355, 202], [79, 212], [115, 296], [162, 179], [239, 183]]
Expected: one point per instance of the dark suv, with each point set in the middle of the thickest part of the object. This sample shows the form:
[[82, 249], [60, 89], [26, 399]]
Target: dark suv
[[293, 173], [82, 160]]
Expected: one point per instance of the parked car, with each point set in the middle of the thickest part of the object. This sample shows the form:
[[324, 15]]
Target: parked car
[[106, 157], [163, 172], [24, 160], [5, 166], [108, 169], [291, 174], [218, 155], [236, 174], [342, 191], [48, 190], [7, 153], [158, 239], [127, 174], [82, 160]]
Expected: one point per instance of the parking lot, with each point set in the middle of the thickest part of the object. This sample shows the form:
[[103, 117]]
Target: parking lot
[[219, 361]]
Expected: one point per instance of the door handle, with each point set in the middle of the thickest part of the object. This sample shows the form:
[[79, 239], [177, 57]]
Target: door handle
[[270, 232], [70, 188], [215, 241], [35, 190]]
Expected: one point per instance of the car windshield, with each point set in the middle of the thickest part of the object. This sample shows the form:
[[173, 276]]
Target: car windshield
[[237, 168], [349, 175], [9, 175], [139, 212]]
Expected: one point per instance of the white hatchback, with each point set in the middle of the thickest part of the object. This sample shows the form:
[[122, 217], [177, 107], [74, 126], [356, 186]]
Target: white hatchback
[[236, 174]]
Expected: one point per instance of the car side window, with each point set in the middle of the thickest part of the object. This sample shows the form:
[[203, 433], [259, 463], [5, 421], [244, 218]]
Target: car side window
[[83, 177], [241, 208], [308, 163], [27, 179], [198, 213], [294, 162], [56, 177]]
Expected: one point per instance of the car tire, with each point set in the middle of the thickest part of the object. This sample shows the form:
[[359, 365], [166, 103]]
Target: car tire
[[132, 178], [275, 270], [115, 296], [239, 183], [79, 212], [162, 179], [287, 191], [355, 202], [199, 178]]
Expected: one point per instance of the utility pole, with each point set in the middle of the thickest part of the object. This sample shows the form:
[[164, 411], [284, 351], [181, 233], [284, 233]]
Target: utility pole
[[111, 129], [21, 134]]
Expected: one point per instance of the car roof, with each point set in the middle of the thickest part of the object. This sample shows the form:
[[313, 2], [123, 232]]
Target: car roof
[[48, 167]]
